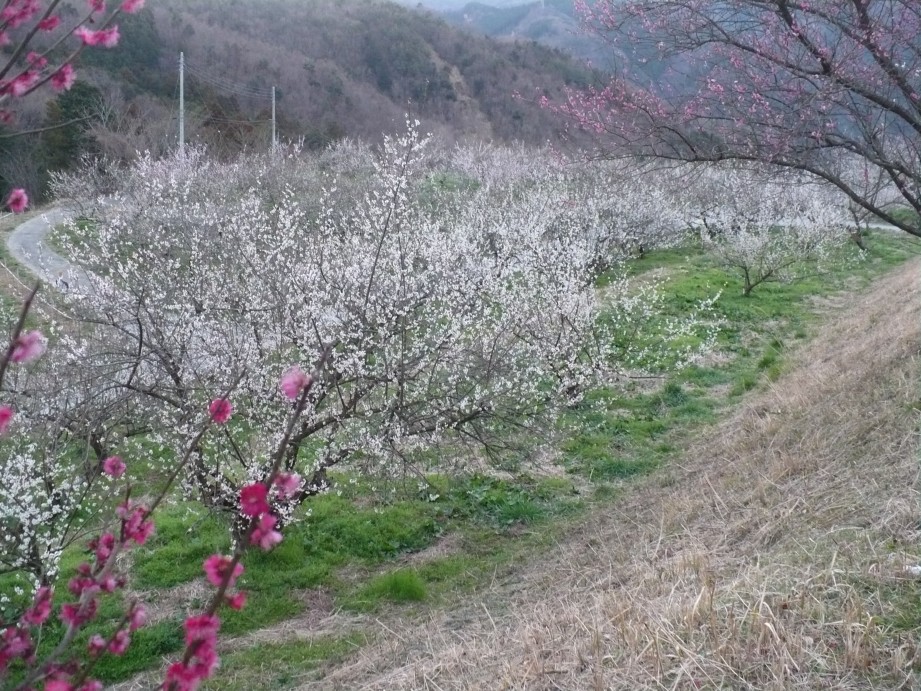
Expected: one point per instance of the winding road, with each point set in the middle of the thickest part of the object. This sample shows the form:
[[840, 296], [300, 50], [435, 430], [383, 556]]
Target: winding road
[[28, 245]]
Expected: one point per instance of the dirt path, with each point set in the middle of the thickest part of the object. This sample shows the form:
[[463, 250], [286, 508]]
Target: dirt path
[[774, 557]]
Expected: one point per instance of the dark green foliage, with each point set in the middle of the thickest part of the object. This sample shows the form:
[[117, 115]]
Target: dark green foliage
[[136, 60], [69, 114]]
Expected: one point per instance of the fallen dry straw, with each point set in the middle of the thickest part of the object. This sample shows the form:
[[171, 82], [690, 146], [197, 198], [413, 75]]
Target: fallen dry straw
[[772, 557]]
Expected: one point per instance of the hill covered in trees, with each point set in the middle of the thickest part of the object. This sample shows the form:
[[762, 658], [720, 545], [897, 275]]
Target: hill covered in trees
[[342, 68]]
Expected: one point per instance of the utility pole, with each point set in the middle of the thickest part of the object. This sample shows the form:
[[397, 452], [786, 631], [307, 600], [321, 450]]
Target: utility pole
[[182, 105], [274, 139]]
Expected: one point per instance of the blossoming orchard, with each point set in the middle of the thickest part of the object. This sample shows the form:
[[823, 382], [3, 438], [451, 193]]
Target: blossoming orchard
[[247, 334]]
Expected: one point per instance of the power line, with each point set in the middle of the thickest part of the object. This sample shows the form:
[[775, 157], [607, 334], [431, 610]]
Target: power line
[[205, 77], [231, 121], [225, 83]]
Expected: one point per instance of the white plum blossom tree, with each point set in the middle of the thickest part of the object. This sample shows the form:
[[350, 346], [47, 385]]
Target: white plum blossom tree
[[768, 227], [444, 318]]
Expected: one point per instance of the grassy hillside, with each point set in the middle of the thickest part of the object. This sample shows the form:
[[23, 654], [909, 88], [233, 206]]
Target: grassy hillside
[[683, 470]]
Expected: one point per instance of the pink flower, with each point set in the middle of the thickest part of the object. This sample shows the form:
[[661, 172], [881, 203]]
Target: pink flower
[[18, 201], [293, 382], [91, 685], [202, 628], [253, 499], [22, 84], [107, 38], [97, 5], [36, 59], [287, 485], [180, 678], [49, 23], [134, 525], [103, 546], [96, 644], [220, 410], [70, 614], [113, 466], [58, 685], [143, 532], [132, 6], [237, 601], [40, 610], [15, 642], [64, 78], [137, 618], [204, 662], [108, 583], [29, 346], [216, 570], [78, 585], [75, 615], [19, 12], [6, 417], [120, 642], [265, 534]]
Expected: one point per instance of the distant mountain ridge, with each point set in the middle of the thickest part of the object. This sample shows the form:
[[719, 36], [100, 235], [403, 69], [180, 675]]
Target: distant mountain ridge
[[451, 5], [556, 24], [553, 23]]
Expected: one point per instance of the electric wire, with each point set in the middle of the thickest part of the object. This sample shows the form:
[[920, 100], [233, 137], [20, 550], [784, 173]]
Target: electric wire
[[203, 84], [224, 83]]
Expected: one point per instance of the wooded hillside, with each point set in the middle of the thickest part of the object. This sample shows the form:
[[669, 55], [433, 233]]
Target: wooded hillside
[[341, 67]]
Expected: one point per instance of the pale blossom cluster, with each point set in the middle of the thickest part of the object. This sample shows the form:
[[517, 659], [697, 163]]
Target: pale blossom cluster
[[447, 311], [768, 227]]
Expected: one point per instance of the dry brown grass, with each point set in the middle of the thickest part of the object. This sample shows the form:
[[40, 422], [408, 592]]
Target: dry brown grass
[[772, 558]]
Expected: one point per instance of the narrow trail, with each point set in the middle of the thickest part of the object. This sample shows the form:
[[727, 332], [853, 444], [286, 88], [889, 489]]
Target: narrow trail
[[28, 245]]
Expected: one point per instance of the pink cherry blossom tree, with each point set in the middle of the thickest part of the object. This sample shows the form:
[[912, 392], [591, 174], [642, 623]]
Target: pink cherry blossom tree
[[796, 84], [26, 608]]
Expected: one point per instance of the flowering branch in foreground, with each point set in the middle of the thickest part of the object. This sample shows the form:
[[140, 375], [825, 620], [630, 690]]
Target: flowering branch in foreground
[[38, 35]]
